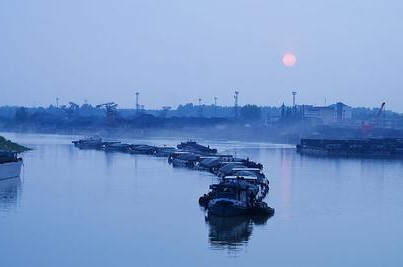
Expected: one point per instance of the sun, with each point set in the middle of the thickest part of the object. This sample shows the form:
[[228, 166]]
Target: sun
[[289, 60]]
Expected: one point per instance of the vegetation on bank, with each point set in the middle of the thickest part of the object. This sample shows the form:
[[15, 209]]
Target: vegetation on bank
[[11, 146]]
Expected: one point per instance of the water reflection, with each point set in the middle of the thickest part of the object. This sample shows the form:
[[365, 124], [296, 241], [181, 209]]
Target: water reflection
[[10, 191], [231, 233]]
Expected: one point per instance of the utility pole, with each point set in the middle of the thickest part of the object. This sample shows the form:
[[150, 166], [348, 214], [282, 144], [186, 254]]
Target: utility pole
[[236, 96], [137, 103], [200, 108], [293, 98], [215, 106]]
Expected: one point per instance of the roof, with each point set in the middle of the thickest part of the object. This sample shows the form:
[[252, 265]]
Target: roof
[[240, 177], [229, 167]]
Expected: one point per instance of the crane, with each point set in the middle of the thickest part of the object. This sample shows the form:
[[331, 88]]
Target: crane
[[110, 109], [73, 106], [109, 105], [381, 110], [368, 127]]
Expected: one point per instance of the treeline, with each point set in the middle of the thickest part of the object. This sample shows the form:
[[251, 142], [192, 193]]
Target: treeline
[[188, 115], [51, 118]]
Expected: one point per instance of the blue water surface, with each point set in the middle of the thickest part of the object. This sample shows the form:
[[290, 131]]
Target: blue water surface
[[76, 207]]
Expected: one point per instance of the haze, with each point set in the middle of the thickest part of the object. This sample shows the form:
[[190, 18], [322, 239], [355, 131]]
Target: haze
[[178, 51]]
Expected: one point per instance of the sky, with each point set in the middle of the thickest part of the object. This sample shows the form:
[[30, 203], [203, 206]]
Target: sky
[[175, 52]]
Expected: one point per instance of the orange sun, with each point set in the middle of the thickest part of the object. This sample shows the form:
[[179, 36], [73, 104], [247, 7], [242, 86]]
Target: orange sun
[[289, 60]]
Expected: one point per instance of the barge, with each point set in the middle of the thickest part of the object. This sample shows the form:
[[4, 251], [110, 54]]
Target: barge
[[192, 146], [375, 148]]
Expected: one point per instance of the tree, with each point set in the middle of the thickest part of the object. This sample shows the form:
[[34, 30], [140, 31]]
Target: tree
[[250, 112], [21, 115]]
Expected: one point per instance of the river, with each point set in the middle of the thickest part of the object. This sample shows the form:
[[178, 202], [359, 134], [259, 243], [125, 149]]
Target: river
[[74, 207]]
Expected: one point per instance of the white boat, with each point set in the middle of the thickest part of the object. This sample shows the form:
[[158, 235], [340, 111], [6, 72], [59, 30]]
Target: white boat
[[10, 165]]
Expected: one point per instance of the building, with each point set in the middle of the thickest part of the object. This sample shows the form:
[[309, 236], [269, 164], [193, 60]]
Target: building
[[336, 113], [342, 112], [324, 115]]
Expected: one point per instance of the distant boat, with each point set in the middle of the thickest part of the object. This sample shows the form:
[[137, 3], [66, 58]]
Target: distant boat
[[192, 146], [93, 143], [120, 147], [89, 142], [366, 148], [10, 165], [143, 149], [164, 151]]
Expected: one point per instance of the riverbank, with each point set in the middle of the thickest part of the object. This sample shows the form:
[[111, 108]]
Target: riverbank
[[11, 146]]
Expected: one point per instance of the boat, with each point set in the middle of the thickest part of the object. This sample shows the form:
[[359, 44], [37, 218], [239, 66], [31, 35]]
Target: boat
[[164, 151], [93, 143], [88, 142], [260, 185], [143, 150], [183, 159], [235, 196], [256, 172], [116, 147], [371, 148], [211, 162], [193, 146], [10, 165], [226, 168]]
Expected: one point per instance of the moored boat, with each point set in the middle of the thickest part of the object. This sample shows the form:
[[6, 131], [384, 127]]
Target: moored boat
[[236, 196], [227, 207], [366, 148], [10, 165], [193, 146], [93, 143], [184, 159], [164, 151], [143, 150]]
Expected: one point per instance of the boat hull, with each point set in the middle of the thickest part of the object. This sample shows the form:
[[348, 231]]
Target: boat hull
[[10, 169], [182, 163], [223, 207]]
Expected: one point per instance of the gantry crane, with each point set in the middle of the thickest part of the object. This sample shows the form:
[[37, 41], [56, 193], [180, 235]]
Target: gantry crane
[[110, 109]]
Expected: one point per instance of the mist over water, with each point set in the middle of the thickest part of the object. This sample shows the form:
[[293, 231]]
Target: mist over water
[[91, 208]]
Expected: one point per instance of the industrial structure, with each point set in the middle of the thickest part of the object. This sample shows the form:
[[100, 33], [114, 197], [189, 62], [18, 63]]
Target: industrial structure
[[137, 102], [111, 110], [236, 95]]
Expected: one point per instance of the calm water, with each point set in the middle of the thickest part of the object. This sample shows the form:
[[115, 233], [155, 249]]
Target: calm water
[[76, 207]]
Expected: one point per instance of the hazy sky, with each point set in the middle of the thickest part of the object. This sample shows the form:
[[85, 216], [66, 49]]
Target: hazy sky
[[177, 51]]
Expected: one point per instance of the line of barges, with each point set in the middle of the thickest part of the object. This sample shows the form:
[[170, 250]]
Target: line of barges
[[241, 186]]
